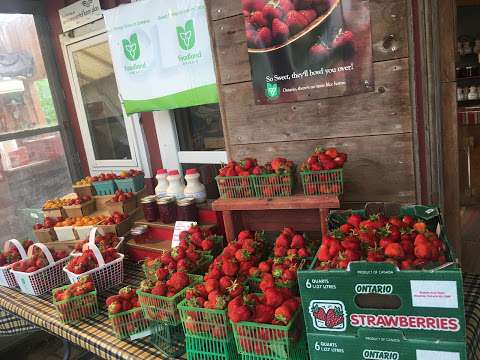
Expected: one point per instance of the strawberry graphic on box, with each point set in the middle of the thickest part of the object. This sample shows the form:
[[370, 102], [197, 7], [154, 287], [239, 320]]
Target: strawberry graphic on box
[[328, 315]]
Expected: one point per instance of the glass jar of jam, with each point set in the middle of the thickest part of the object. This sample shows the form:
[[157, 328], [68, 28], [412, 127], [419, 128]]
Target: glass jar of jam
[[187, 210], [167, 209], [150, 210], [140, 234]]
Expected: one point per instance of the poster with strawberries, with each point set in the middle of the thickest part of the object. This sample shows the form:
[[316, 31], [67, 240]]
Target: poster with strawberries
[[308, 49]]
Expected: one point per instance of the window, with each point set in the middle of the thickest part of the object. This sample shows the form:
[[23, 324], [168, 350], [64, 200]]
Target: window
[[33, 166], [113, 141]]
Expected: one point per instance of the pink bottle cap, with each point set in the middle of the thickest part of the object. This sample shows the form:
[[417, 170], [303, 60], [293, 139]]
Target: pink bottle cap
[[173, 172], [191, 171], [162, 171]]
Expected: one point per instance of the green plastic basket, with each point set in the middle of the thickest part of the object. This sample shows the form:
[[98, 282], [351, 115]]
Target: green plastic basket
[[205, 323], [128, 323], [133, 184], [235, 187], [168, 339], [199, 348], [272, 185], [322, 182], [76, 308], [265, 341], [107, 187], [162, 308]]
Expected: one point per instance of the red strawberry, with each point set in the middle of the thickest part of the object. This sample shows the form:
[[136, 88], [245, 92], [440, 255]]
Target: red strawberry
[[309, 14], [161, 273], [230, 267], [292, 304], [408, 221], [298, 242], [273, 297], [207, 244], [272, 11], [263, 314], [258, 20], [280, 31], [395, 251], [178, 281], [420, 227], [319, 53], [279, 251], [242, 255], [211, 285], [225, 282], [159, 289], [296, 22], [333, 318], [282, 241], [423, 251], [264, 267], [253, 5], [264, 39], [239, 313], [283, 314]]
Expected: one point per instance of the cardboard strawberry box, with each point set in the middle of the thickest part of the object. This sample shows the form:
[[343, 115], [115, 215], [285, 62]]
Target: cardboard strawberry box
[[424, 304], [384, 345], [80, 210], [123, 207]]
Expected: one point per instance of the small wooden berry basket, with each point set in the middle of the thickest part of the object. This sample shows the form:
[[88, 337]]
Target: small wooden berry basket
[[122, 207], [323, 182], [162, 308], [53, 213], [45, 279], [84, 190], [105, 275], [76, 308], [6, 277], [117, 229], [84, 209], [45, 235], [129, 323]]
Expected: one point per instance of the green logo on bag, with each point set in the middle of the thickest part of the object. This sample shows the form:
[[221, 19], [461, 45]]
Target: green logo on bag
[[272, 91], [186, 35], [131, 47]]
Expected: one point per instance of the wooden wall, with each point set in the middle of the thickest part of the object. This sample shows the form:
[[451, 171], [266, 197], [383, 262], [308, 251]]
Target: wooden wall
[[375, 129]]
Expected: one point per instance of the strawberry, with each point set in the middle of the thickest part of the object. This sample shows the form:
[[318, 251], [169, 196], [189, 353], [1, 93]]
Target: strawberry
[[282, 241], [354, 220], [161, 273], [252, 5], [230, 267], [242, 255], [235, 289], [333, 317], [264, 267], [224, 283], [279, 251], [395, 251], [423, 251], [266, 283], [342, 40], [319, 313], [239, 313], [280, 31], [420, 227], [296, 22], [178, 281], [408, 221], [323, 253], [115, 307], [126, 293], [283, 314], [211, 285], [298, 242], [309, 14], [263, 314], [273, 297], [272, 10], [292, 304]]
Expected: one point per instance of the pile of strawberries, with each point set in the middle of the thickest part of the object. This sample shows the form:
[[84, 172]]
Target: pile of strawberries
[[38, 261], [125, 300], [321, 159], [115, 219], [250, 166], [12, 255], [87, 261], [227, 274], [274, 22], [289, 252], [199, 238], [129, 174], [407, 243], [167, 284], [342, 46], [83, 286], [104, 177], [103, 242], [121, 196], [48, 223]]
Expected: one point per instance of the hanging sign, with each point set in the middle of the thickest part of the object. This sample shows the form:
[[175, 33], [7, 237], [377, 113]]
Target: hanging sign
[[80, 13], [308, 49], [162, 54]]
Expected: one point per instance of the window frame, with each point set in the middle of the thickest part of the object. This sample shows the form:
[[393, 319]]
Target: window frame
[[35, 8], [88, 35]]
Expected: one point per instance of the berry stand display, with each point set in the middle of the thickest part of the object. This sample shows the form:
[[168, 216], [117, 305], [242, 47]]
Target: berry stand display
[[45, 279], [304, 213], [371, 305], [6, 277], [208, 333], [105, 275]]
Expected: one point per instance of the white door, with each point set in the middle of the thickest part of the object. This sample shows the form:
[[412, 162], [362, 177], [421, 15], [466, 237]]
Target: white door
[[113, 141]]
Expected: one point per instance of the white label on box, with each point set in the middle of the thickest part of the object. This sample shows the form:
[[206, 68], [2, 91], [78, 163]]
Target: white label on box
[[437, 355], [179, 227], [434, 294]]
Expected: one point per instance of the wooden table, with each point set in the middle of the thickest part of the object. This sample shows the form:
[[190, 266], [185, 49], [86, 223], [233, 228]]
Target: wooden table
[[303, 213]]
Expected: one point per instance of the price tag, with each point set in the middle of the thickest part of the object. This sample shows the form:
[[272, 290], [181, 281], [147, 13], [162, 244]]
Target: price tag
[[179, 227]]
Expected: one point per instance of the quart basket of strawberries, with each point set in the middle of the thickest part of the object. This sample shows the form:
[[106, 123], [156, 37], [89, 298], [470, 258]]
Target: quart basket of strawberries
[[322, 172], [125, 313], [104, 266], [41, 271], [76, 301], [13, 251]]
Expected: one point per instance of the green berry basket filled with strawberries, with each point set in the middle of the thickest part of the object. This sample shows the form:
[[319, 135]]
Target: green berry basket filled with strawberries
[[159, 299], [13, 251], [322, 173], [104, 184], [234, 180], [76, 301], [274, 179], [126, 315]]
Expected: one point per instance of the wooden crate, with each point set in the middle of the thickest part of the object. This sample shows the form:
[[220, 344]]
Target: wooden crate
[[84, 190], [84, 209], [124, 207], [45, 235], [118, 229], [53, 213]]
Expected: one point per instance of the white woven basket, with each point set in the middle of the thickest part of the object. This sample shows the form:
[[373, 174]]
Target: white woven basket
[[6, 277]]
